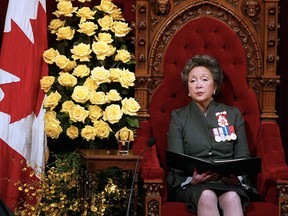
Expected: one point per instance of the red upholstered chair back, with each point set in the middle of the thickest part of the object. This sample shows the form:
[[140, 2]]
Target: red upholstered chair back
[[203, 35]]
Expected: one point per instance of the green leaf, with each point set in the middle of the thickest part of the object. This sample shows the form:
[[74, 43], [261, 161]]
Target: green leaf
[[123, 46], [132, 121], [130, 62]]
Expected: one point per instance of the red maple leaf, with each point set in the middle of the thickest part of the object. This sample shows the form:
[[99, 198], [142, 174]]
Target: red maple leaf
[[22, 58]]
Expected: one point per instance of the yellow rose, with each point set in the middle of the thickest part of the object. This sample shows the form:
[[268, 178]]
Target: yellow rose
[[70, 65], [65, 8], [127, 78], [115, 74], [61, 61], [67, 106], [116, 14], [120, 28], [51, 101], [106, 22], [46, 82], [100, 75], [91, 84], [66, 79], [123, 55], [65, 33], [105, 37], [50, 55], [78, 114], [53, 129], [130, 106], [102, 49], [55, 24], [98, 98], [50, 116], [81, 71], [87, 28], [106, 6], [125, 134], [112, 113], [95, 112], [72, 132], [103, 129], [88, 132], [85, 13], [113, 95], [81, 94], [82, 1], [81, 51]]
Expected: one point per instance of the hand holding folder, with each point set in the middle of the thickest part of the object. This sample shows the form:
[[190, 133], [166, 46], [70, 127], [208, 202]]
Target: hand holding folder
[[237, 167]]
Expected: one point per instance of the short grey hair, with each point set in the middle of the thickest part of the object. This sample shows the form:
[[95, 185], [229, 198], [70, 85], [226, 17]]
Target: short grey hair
[[206, 61]]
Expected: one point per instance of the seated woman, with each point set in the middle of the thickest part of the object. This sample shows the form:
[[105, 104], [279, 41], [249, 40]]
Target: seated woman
[[208, 130]]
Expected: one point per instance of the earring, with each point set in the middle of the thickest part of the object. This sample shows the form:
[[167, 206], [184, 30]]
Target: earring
[[189, 94], [214, 92]]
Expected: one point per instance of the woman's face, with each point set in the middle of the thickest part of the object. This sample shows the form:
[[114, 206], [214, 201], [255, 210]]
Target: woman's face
[[201, 85]]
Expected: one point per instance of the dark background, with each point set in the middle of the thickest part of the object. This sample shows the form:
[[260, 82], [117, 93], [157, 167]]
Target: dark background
[[282, 69]]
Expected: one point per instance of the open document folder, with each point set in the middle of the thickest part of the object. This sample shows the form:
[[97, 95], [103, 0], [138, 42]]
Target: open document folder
[[237, 167]]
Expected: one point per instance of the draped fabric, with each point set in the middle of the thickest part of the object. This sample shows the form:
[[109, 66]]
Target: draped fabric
[[22, 139]]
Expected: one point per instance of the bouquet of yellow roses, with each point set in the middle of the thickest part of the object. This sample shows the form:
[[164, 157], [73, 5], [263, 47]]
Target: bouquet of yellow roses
[[89, 90]]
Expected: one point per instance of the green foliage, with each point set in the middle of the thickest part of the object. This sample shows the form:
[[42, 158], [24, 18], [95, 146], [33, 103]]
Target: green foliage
[[59, 191]]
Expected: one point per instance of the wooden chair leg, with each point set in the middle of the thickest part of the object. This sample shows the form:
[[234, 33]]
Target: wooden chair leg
[[283, 197], [153, 199]]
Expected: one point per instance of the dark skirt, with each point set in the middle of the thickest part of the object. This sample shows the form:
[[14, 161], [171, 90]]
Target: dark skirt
[[191, 194]]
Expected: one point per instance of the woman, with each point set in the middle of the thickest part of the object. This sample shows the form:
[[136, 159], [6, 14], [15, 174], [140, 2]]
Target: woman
[[208, 130]]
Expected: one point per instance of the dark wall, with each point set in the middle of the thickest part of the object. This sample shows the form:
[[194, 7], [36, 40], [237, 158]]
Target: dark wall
[[3, 8], [282, 90]]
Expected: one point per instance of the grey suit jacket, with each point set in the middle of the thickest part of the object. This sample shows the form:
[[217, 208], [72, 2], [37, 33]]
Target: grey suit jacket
[[191, 133]]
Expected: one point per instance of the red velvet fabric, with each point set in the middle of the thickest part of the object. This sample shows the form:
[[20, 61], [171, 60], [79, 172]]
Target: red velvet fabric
[[206, 35], [274, 166], [150, 166]]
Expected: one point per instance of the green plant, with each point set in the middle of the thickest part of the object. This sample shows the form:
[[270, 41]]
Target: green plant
[[58, 191]]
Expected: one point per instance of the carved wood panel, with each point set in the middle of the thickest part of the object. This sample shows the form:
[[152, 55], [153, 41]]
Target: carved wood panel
[[254, 21]]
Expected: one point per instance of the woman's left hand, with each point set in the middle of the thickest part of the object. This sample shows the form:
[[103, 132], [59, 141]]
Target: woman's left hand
[[231, 179]]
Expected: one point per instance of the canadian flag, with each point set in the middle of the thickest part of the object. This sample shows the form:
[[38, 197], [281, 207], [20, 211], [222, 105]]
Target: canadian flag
[[22, 138]]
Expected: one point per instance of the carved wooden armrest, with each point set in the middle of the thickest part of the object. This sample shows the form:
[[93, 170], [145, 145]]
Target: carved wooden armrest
[[153, 198], [283, 197]]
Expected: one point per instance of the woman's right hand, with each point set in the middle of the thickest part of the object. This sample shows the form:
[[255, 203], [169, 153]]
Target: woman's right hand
[[204, 177]]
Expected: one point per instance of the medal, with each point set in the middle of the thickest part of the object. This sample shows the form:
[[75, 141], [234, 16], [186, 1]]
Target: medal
[[227, 134], [221, 132], [222, 120], [216, 135], [232, 132]]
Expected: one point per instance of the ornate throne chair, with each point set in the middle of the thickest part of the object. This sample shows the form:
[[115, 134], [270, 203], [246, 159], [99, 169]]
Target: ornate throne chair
[[242, 35]]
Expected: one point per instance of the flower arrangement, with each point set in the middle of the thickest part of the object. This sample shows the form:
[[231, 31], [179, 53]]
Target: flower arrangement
[[59, 191], [90, 84]]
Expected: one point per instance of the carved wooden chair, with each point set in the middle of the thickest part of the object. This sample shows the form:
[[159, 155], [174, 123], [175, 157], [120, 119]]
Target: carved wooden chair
[[242, 36]]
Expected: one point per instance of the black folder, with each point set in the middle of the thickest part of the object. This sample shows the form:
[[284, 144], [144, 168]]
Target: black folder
[[237, 167]]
